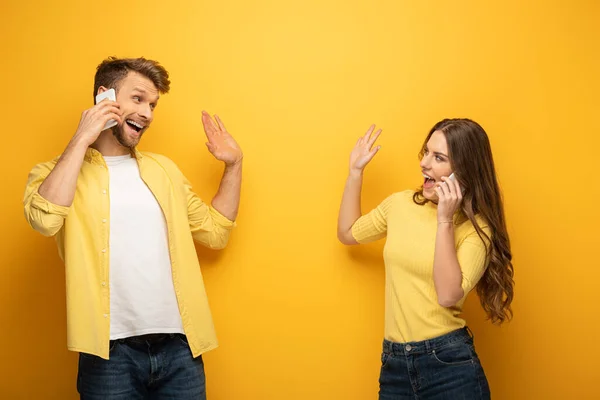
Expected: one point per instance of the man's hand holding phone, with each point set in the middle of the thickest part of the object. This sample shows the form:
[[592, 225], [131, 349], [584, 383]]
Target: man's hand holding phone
[[105, 114]]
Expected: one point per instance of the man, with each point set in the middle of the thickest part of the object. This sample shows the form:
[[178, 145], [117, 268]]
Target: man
[[124, 223]]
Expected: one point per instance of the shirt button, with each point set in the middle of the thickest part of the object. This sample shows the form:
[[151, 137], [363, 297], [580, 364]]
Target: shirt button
[[104, 250], [104, 220], [408, 347], [104, 191], [103, 283], [105, 315]]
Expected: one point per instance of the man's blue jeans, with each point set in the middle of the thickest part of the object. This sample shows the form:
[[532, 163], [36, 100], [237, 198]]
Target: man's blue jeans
[[143, 367]]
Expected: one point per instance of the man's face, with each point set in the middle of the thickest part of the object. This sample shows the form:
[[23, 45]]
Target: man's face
[[137, 97]]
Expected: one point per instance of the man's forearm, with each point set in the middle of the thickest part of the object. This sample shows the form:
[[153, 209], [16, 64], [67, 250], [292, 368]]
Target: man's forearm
[[60, 185], [227, 199]]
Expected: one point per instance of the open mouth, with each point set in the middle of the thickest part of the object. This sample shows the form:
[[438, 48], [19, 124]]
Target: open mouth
[[429, 182], [134, 126]]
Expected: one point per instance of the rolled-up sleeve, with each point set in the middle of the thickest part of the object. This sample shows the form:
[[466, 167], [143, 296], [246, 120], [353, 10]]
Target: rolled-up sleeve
[[42, 215], [208, 226]]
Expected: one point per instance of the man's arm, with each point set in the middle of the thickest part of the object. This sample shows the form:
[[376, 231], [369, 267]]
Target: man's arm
[[51, 188], [59, 187], [224, 148], [227, 199]]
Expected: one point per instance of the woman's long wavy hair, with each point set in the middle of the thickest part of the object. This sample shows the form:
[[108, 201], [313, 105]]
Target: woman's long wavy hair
[[471, 159]]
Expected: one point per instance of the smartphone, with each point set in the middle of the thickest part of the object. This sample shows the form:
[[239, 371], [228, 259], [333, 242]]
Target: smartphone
[[454, 179], [111, 95]]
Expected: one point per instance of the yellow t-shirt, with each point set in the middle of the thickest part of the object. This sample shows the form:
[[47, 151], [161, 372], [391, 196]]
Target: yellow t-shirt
[[412, 312]]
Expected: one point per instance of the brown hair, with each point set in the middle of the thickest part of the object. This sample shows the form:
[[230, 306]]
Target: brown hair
[[471, 159], [112, 70]]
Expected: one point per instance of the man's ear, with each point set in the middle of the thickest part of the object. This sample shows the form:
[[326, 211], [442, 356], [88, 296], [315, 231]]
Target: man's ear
[[101, 89]]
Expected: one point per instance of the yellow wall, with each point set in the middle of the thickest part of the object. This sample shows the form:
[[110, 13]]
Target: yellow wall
[[298, 315]]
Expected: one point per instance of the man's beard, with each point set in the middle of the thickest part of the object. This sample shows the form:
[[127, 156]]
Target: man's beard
[[119, 134]]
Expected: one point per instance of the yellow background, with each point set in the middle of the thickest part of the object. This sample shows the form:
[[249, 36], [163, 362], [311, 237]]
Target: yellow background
[[299, 316]]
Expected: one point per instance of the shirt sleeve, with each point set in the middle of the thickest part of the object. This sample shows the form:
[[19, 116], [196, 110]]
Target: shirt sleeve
[[472, 258], [42, 215], [373, 225], [208, 226]]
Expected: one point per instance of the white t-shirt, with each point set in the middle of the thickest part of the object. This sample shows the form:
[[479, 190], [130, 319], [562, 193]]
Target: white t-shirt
[[142, 295]]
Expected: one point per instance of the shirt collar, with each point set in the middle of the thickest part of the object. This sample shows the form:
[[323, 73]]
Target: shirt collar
[[93, 156]]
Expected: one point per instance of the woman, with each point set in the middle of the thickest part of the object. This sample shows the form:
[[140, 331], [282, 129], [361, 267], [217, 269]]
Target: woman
[[442, 241]]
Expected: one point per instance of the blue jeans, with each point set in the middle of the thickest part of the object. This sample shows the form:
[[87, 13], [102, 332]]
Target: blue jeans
[[143, 367], [442, 368]]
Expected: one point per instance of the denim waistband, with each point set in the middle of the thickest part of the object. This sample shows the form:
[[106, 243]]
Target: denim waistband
[[426, 346], [148, 339]]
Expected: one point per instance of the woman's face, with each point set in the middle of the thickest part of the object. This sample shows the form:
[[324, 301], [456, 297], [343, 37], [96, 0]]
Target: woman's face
[[435, 164]]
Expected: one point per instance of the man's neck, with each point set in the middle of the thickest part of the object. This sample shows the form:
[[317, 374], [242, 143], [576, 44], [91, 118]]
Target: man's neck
[[108, 145]]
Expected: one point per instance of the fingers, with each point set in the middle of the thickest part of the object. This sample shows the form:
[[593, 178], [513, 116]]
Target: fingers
[[440, 193], [221, 125], [114, 116], [368, 133], [373, 138], [111, 109], [372, 153], [106, 103], [445, 189], [457, 188], [369, 137], [209, 125], [105, 107], [449, 187], [103, 111], [111, 113]]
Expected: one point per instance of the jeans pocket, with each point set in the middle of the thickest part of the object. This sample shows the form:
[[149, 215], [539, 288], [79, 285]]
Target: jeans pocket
[[460, 353], [182, 339], [113, 344], [385, 358]]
